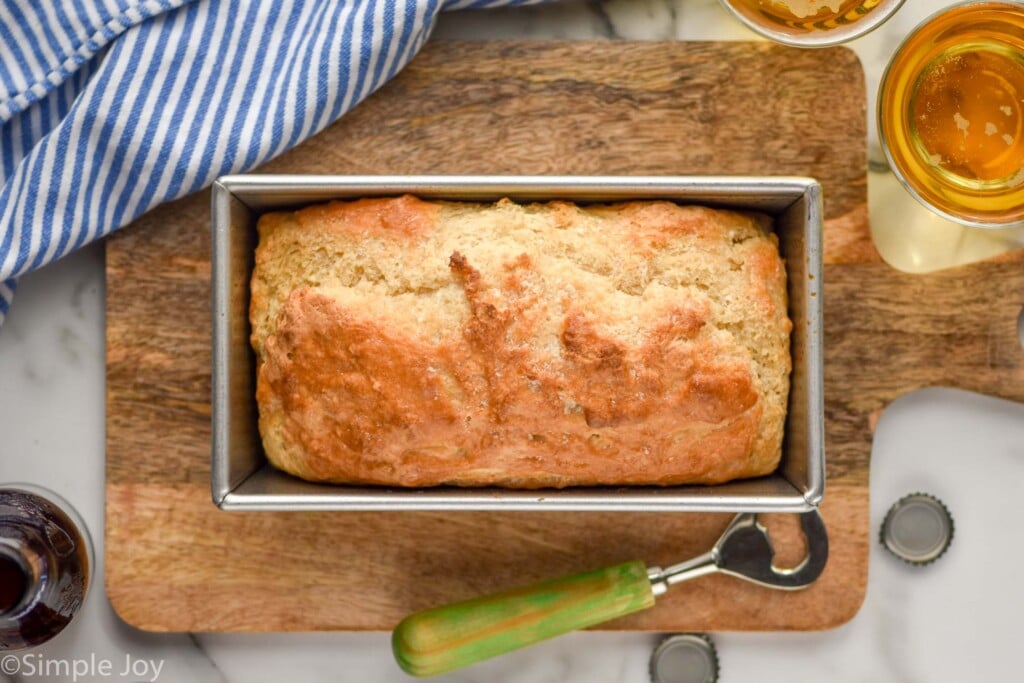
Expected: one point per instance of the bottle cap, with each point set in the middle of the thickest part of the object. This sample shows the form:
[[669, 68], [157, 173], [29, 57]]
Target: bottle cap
[[917, 529], [685, 658]]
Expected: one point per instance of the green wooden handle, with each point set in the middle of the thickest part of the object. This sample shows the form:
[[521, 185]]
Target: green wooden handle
[[454, 636]]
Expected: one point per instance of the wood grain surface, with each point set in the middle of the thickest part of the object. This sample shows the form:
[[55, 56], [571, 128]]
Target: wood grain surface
[[176, 563]]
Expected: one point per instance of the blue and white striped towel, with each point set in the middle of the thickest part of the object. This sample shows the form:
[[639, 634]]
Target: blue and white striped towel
[[110, 107]]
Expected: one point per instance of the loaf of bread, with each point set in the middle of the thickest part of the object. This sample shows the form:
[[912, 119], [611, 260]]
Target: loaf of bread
[[416, 343]]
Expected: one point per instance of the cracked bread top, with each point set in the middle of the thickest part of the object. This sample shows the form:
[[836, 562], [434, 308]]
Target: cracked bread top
[[406, 342]]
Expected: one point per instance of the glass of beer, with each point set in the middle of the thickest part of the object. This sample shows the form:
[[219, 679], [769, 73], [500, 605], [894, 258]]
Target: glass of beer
[[812, 23], [46, 565], [951, 113]]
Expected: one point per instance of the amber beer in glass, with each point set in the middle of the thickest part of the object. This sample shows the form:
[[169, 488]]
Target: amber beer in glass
[[951, 113], [812, 23]]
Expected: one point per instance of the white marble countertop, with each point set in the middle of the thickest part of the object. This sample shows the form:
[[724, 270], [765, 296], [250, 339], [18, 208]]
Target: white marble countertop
[[52, 434]]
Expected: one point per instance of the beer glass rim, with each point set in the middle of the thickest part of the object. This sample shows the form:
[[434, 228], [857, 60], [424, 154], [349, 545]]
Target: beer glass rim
[[830, 38]]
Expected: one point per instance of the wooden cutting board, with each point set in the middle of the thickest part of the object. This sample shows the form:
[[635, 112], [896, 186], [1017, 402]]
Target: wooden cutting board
[[176, 563]]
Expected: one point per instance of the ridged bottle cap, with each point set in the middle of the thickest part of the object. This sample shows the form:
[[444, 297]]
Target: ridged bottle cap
[[684, 658], [917, 529]]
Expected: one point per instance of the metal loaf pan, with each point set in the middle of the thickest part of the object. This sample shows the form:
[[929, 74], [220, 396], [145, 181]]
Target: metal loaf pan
[[243, 480]]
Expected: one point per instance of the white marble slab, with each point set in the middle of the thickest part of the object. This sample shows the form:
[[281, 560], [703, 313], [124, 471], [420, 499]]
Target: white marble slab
[[951, 623]]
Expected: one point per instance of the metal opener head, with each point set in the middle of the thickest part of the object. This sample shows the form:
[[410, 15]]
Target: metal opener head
[[746, 552]]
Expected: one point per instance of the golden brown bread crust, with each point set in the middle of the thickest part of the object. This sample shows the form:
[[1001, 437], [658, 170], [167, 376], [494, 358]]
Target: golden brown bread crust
[[411, 343]]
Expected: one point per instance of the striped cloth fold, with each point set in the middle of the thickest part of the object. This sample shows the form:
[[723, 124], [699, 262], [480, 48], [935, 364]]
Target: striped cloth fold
[[110, 107]]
